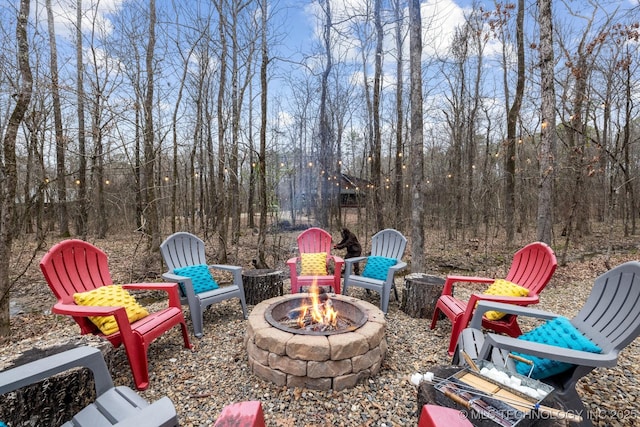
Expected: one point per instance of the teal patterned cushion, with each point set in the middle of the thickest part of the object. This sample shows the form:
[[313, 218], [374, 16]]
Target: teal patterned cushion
[[561, 333], [200, 277], [378, 266]]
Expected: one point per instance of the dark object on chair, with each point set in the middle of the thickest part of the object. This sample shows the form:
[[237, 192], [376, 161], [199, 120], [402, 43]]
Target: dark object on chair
[[531, 268], [387, 247], [118, 406], [610, 318], [352, 245], [74, 266], [183, 250]]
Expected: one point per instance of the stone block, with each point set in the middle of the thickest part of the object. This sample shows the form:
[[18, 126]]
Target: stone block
[[273, 340], [329, 368], [374, 314], [347, 345], [373, 333], [256, 353], [366, 361], [268, 374], [257, 321], [288, 365], [306, 382], [350, 380], [308, 347]]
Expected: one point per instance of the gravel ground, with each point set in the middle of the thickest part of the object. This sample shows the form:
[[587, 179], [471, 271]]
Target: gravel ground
[[201, 382]]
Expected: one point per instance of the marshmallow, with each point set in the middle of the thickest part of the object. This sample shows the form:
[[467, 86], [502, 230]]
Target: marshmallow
[[416, 378]]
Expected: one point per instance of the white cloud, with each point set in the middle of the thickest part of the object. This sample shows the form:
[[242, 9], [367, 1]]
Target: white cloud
[[439, 21], [94, 14]]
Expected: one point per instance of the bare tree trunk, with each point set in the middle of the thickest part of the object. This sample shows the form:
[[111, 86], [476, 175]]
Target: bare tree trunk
[[472, 123], [83, 211], [376, 152], [63, 216], [234, 187], [417, 137], [212, 190], [548, 133], [512, 120], [399, 160], [221, 204], [8, 171], [151, 207], [261, 262], [631, 210], [325, 143], [236, 108], [174, 135], [252, 170]]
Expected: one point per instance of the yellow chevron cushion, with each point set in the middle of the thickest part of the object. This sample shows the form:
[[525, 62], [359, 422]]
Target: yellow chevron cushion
[[110, 296], [503, 288], [313, 264]]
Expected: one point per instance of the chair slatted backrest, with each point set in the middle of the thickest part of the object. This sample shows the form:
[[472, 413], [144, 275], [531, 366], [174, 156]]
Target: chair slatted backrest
[[533, 266], [611, 314], [74, 266], [314, 240], [388, 243], [183, 249]]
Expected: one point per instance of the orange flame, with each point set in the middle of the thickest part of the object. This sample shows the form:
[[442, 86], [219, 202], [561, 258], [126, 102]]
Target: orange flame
[[321, 313]]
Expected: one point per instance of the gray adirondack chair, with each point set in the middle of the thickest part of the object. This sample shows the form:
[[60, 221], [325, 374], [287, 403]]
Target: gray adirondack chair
[[184, 249], [117, 406], [610, 318], [387, 243]]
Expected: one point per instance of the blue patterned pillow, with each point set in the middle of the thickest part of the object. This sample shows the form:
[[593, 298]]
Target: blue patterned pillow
[[378, 266], [561, 333], [200, 277]]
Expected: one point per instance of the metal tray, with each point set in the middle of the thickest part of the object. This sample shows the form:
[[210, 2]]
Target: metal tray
[[490, 399]]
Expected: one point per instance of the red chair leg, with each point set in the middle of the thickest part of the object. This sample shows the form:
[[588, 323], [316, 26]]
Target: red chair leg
[[436, 315], [456, 329]]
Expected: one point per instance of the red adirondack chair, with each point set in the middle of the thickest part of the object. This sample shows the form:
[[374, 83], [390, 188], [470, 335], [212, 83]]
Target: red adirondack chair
[[73, 266], [313, 241], [531, 268]]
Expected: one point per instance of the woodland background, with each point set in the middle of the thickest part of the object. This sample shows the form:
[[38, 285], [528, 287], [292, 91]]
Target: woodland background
[[152, 117]]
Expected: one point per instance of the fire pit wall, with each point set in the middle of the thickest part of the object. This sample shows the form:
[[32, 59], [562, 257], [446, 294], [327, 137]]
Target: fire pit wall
[[335, 362]]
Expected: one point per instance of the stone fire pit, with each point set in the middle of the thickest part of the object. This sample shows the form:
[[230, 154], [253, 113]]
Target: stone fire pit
[[335, 361]]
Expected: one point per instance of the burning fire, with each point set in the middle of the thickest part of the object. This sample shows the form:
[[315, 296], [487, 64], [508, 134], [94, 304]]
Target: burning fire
[[319, 314]]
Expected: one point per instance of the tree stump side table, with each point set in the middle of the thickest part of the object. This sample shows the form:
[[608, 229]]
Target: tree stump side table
[[261, 284], [421, 293]]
